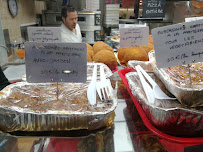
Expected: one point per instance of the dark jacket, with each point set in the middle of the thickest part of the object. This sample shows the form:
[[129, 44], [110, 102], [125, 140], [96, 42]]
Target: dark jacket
[[3, 80]]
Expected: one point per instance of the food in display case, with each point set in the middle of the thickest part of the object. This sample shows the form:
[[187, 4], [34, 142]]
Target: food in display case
[[147, 143], [197, 7], [139, 53], [89, 59], [177, 81], [131, 53], [168, 116], [40, 107], [146, 65], [102, 53], [90, 50], [116, 38], [100, 45], [106, 57]]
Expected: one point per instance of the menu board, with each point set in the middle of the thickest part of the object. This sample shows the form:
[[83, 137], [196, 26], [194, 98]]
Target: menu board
[[153, 8], [44, 34], [178, 44], [56, 62], [138, 36]]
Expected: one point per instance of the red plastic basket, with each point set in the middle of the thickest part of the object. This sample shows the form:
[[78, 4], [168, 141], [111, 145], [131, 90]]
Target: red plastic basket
[[193, 140]]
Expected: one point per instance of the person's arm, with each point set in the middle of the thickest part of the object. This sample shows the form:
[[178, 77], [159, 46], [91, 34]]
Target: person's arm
[[3, 80]]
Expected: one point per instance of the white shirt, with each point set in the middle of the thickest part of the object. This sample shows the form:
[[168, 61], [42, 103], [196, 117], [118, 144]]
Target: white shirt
[[68, 36]]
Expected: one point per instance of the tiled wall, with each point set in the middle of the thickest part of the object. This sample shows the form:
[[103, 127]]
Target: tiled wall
[[27, 10]]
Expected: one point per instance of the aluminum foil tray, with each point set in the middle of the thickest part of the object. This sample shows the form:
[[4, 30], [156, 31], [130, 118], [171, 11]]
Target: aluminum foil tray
[[35, 107], [168, 116], [146, 65], [189, 95]]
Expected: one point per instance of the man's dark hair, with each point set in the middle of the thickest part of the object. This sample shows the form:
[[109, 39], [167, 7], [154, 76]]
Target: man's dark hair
[[66, 9]]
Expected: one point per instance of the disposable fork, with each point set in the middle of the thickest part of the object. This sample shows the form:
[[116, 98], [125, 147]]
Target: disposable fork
[[104, 87], [91, 90], [158, 93], [147, 89]]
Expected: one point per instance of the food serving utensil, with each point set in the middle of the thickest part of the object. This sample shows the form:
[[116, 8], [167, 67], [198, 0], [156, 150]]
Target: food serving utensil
[[158, 93], [104, 87], [147, 88], [91, 90]]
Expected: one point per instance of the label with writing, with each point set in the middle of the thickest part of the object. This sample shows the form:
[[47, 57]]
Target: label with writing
[[153, 8], [44, 34], [131, 25], [138, 36], [56, 62], [178, 44], [190, 19]]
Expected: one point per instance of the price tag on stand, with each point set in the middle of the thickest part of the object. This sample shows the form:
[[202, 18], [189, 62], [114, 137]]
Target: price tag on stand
[[44, 34], [138, 36], [153, 8], [56, 62], [178, 44]]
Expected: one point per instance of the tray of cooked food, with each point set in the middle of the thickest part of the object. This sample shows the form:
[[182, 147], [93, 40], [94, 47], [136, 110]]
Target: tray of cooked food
[[168, 116], [40, 107], [146, 65], [187, 88]]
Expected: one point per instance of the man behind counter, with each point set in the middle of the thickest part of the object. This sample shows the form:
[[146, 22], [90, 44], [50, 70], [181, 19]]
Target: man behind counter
[[70, 30], [3, 80]]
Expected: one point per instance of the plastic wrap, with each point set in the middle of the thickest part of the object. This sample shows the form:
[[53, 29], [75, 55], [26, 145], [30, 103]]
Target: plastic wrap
[[146, 65], [167, 115], [177, 81], [36, 107]]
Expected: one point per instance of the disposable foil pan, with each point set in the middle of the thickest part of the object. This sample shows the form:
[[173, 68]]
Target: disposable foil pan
[[146, 65], [191, 96], [17, 118], [167, 115]]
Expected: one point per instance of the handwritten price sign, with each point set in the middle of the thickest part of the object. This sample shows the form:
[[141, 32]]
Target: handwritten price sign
[[44, 34], [134, 36], [56, 62], [178, 44]]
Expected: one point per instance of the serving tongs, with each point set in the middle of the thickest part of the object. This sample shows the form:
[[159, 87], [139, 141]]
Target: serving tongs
[[155, 91]]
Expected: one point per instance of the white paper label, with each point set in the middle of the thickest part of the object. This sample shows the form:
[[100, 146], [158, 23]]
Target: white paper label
[[178, 44], [56, 62], [44, 34], [138, 36], [190, 19], [131, 25]]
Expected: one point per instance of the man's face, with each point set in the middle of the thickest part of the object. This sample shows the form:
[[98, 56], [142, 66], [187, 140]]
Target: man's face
[[71, 20]]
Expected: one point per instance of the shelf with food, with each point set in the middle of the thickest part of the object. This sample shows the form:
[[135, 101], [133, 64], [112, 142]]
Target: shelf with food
[[188, 140]]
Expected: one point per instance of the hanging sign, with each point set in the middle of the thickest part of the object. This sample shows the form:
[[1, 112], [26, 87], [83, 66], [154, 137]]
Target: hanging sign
[[153, 8]]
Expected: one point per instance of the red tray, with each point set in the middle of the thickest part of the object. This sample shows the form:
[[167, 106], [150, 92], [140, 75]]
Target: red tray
[[116, 69], [193, 140]]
